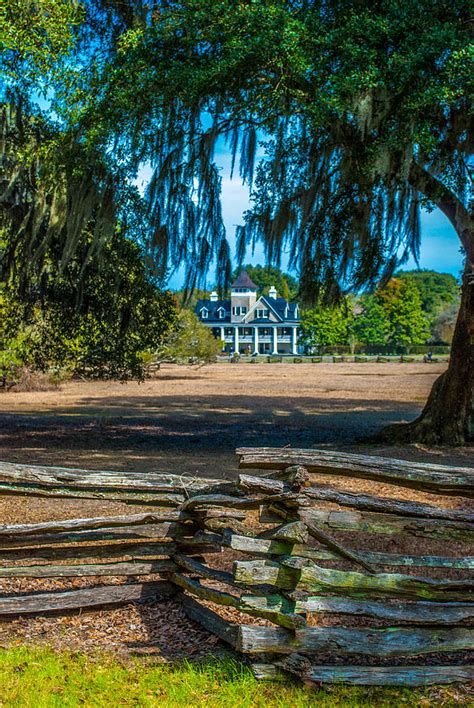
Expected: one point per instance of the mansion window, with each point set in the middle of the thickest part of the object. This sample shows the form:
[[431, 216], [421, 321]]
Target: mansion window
[[239, 310], [204, 313], [262, 313], [221, 312]]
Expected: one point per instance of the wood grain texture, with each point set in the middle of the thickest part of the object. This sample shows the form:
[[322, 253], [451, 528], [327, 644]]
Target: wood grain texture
[[98, 551], [101, 522], [289, 620], [270, 546], [437, 479], [395, 612], [391, 642], [371, 675], [363, 502], [387, 524], [326, 540], [210, 620], [61, 477], [150, 498], [162, 531], [99, 596], [193, 566], [291, 574], [82, 570]]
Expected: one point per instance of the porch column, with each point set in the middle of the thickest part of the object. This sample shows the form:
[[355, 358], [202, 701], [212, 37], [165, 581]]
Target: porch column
[[275, 340], [255, 340], [236, 339], [294, 340], [223, 338]]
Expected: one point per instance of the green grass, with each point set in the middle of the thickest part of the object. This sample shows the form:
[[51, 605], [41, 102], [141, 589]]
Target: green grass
[[41, 678]]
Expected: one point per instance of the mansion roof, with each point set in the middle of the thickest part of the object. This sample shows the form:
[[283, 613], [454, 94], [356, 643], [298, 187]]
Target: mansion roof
[[243, 280], [283, 311]]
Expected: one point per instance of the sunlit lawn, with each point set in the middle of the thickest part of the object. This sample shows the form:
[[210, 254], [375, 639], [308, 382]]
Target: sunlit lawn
[[41, 678]]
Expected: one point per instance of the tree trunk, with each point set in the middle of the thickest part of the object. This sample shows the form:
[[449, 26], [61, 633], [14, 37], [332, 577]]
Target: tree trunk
[[448, 417]]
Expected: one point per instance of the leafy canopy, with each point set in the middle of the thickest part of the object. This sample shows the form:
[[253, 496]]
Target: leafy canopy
[[327, 326], [99, 319], [363, 109], [438, 291], [393, 315], [372, 324]]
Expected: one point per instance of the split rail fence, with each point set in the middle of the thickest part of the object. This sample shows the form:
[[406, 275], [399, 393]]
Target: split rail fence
[[303, 594]]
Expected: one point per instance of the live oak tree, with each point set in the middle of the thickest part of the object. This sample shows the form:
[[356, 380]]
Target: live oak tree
[[365, 112], [75, 289], [102, 318]]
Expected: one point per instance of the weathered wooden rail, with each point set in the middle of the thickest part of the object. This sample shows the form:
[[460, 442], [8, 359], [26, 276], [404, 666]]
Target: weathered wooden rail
[[293, 556]]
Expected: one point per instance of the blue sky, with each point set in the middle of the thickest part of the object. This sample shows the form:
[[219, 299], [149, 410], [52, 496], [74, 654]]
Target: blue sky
[[439, 244]]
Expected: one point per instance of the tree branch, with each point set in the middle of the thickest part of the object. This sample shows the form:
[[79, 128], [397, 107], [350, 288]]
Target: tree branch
[[448, 203]]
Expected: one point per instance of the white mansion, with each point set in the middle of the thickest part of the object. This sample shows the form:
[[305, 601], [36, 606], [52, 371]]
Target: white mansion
[[247, 324]]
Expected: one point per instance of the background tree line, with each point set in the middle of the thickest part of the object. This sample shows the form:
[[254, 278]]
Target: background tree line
[[415, 307]]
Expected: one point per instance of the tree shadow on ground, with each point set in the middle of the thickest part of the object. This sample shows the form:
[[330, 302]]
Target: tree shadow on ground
[[180, 434]]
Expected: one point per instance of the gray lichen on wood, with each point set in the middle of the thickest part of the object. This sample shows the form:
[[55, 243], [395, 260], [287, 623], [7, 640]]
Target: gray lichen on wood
[[426, 613], [391, 642], [438, 479], [370, 675]]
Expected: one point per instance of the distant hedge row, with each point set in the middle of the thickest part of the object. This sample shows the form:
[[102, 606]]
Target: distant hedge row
[[388, 350]]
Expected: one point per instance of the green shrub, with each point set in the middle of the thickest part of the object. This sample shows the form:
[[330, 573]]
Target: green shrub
[[190, 342]]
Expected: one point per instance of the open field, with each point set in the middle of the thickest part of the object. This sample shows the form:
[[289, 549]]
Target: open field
[[189, 420]]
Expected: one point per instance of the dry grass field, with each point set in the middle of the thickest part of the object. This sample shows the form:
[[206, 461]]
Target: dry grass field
[[189, 420]]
